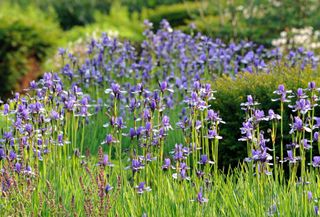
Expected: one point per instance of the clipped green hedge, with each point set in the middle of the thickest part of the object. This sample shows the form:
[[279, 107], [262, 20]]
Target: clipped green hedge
[[232, 92], [26, 36]]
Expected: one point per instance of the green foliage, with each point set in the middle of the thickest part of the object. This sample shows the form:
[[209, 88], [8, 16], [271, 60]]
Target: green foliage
[[138, 5], [176, 14], [82, 12], [258, 21], [232, 92], [26, 36], [118, 22], [73, 12]]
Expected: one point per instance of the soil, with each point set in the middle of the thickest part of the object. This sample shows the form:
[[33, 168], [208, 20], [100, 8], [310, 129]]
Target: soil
[[34, 71]]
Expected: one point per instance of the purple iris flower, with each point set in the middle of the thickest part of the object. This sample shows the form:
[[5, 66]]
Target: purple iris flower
[[136, 165], [153, 105], [204, 160], [108, 140], [39, 142], [84, 101], [196, 85], [193, 100], [316, 161], [119, 122], [183, 174], [83, 111], [290, 158], [132, 104], [263, 141], [180, 152], [281, 89], [166, 123], [259, 115], [212, 134], [12, 155], [105, 161], [214, 116], [8, 136], [317, 124], [132, 133], [163, 86], [6, 109], [282, 92], [148, 128], [309, 195], [146, 114], [299, 126], [178, 156], [273, 116], [61, 51], [312, 85], [33, 85], [2, 154], [60, 139], [198, 124], [306, 145], [55, 115], [115, 90], [250, 103], [167, 164], [162, 133], [302, 105], [200, 199], [141, 188], [139, 131], [316, 136], [300, 93], [28, 128], [246, 131], [259, 155], [200, 173], [108, 188], [184, 166], [148, 158], [17, 167], [28, 170]]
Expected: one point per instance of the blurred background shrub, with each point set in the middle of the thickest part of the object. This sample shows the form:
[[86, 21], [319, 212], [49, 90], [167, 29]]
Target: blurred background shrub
[[27, 36], [176, 14], [258, 21], [72, 12]]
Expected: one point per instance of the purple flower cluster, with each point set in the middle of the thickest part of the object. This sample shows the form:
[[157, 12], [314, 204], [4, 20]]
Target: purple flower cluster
[[175, 58], [254, 136], [36, 122]]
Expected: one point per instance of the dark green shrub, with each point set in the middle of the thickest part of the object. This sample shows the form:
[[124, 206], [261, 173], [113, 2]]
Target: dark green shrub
[[26, 36], [232, 92]]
